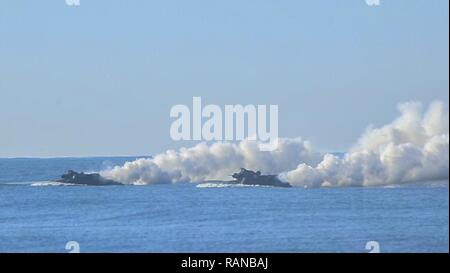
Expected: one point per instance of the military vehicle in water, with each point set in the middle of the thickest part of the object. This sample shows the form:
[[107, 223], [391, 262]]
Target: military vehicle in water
[[244, 177], [248, 177], [90, 179]]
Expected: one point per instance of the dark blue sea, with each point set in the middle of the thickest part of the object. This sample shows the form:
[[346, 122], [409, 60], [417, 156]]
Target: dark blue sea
[[38, 217]]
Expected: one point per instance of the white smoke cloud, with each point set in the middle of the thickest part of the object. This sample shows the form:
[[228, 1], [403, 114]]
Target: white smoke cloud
[[413, 148], [216, 161]]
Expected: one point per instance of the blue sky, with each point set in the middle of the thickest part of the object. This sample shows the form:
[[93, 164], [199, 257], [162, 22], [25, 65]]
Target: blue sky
[[99, 79]]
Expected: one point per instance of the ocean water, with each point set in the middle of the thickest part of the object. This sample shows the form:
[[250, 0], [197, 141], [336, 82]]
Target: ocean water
[[207, 218]]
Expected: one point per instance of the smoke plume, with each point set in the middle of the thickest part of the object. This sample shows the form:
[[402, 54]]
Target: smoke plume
[[413, 148], [216, 161]]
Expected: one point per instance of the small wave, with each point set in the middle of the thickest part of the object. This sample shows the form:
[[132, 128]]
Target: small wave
[[139, 183], [15, 183], [51, 183], [225, 185], [392, 186]]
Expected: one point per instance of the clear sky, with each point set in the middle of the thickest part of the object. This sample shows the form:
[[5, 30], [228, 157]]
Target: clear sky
[[100, 79]]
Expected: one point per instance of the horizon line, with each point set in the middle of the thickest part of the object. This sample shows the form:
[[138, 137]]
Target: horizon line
[[70, 156]]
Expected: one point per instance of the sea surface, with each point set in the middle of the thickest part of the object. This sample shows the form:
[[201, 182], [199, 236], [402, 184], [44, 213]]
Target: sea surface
[[38, 217]]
